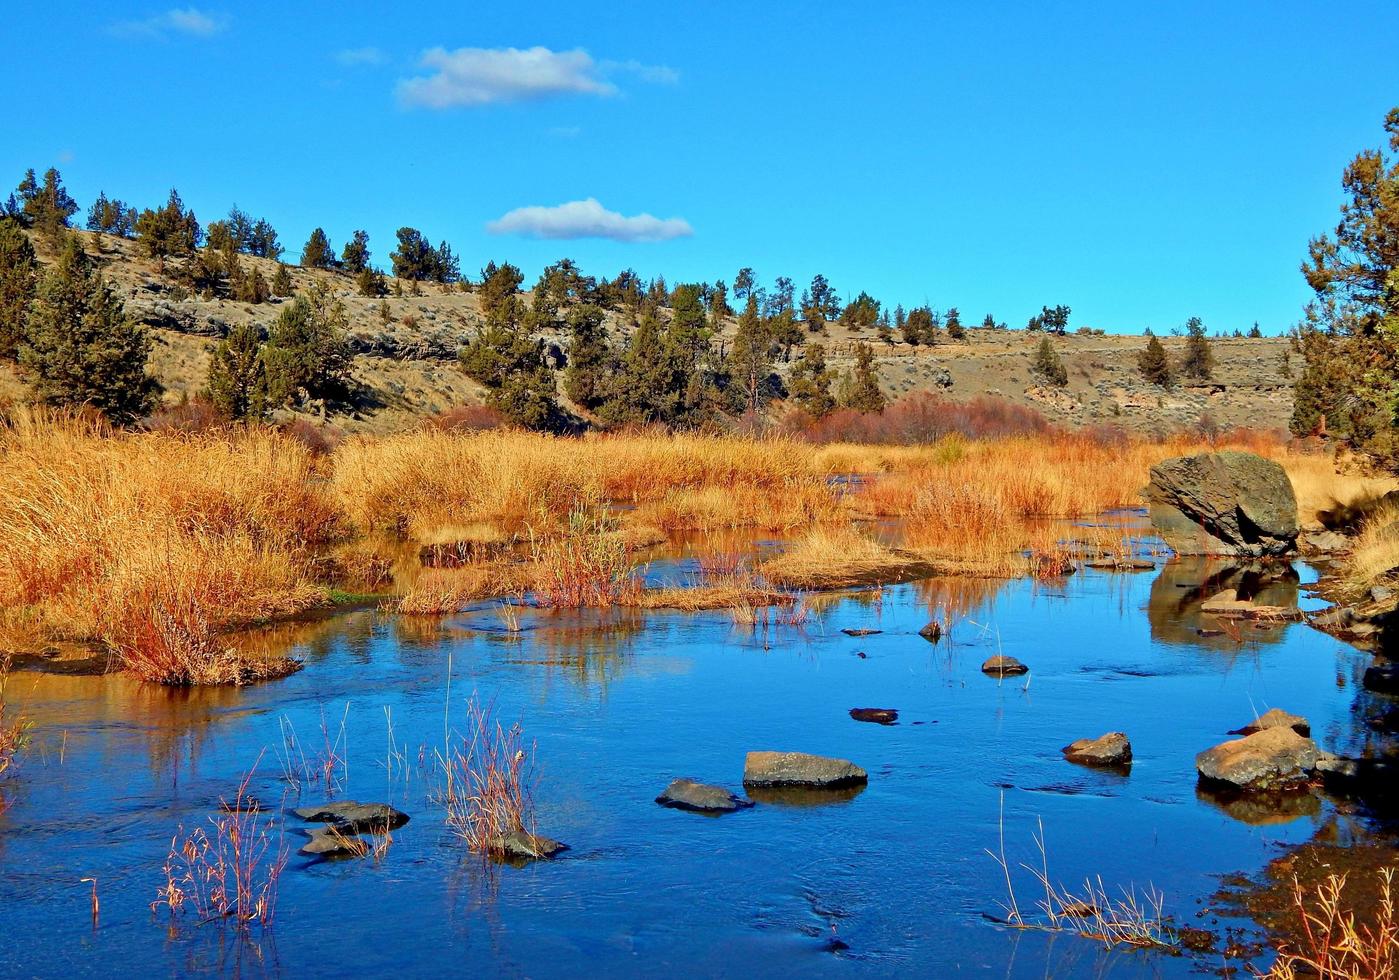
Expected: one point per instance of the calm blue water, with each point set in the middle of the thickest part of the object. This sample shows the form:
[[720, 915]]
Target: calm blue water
[[898, 872]]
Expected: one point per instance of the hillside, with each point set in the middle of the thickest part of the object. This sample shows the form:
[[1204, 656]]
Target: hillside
[[406, 364]]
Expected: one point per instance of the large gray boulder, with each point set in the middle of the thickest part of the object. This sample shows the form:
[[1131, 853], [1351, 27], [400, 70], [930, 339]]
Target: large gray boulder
[[1226, 503]]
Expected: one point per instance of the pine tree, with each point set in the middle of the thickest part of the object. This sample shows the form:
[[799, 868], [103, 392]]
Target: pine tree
[[355, 257], [955, 330], [864, 394], [18, 274], [644, 388], [1153, 364], [1255, 331], [499, 283], [1198, 360], [318, 254], [237, 384], [46, 207], [810, 382], [81, 348], [281, 282], [170, 230], [1047, 366], [112, 217], [371, 283], [308, 355], [988, 322]]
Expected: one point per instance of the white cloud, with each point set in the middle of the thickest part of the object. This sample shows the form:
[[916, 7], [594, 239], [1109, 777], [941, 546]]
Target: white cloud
[[351, 57], [588, 219], [479, 76], [189, 21]]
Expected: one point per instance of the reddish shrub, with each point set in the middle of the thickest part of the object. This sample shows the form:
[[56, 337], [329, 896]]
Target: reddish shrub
[[466, 418], [922, 417]]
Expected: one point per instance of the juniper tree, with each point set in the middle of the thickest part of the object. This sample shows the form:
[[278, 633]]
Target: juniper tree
[[371, 283], [1047, 365], [171, 230], [18, 273], [281, 282], [308, 355], [955, 330], [1153, 364], [317, 253], [864, 394], [744, 283], [46, 207], [237, 382], [750, 357], [644, 388], [810, 382], [511, 366], [499, 283], [590, 363], [1198, 360], [355, 256], [112, 217], [920, 327], [81, 348]]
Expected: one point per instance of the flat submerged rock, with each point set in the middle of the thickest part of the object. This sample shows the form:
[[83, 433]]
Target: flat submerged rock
[[800, 769], [688, 794]]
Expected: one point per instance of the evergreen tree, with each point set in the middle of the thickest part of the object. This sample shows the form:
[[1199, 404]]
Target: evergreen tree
[[750, 358], [1054, 319], [281, 282], [955, 330], [861, 312], [355, 257], [371, 283], [744, 283], [308, 355], [1153, 364], [81, 348], [237, 384], [170, 230], [519, 382], [864, 394], [318, 254], [644, 388], [1255, 331], [261, 240], [499, 283], [590, 361], [1198, 360], [18, 272], [920, 327], [46, 207], [112, 217], [415, 258], [810, 382], [1047, 366], [988, 322]]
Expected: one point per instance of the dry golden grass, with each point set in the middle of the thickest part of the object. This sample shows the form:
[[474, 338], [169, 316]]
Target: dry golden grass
[[1325, 484], [831, 557], [1375, 553], [738, 593], [115, 537], [1333, 945], [441, 591]]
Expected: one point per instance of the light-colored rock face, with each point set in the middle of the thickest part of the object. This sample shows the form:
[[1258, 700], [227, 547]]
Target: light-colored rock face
[[1227, 503], [1276, 718], [1277, 758], [1112, 749], [800, 769]]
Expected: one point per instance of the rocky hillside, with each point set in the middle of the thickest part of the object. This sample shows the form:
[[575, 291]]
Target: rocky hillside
[[406, 349]]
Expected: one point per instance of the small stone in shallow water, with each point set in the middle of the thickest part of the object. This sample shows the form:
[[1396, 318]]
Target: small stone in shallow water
[[932, 632], [861, 632], [880, 716], [1275, 718], [687, 794], [1002, 666], [347, 816], [521, 845], [1111, 750], [328, 842]]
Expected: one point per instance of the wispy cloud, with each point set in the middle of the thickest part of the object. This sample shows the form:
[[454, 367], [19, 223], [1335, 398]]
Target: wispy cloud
[[353, 57], [588, 219], [480, 76], [189, 21]]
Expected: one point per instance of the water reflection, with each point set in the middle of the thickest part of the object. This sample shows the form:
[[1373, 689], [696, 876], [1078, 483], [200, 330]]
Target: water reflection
[[1183, 585]]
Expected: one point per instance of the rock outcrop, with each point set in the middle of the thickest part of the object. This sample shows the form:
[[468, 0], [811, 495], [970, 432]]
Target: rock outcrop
[[1226, 503]]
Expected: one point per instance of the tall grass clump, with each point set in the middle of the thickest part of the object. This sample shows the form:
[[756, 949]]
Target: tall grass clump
[[1332, 944], [489, 772], [590, 566], [230, 871], [152, 542]]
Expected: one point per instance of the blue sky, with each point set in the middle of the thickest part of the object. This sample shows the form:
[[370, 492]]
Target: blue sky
[[1140, 165]]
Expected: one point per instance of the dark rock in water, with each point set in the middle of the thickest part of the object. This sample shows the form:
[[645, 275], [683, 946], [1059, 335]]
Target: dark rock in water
[[348, 816], [328, 842], [862, 655], [1372, 779], [1382, 678], [800, 769], [524, 846], [1275, 718], [1386, 721], [686, 794], [861, 632], [1112, 750], [880, 716], [932, 632], [1277, 758], [1227, 503], [1002, 666]]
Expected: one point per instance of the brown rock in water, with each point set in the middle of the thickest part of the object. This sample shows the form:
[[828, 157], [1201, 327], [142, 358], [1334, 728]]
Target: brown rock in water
[[1001, 666], [932, 632], [521, 845], [880, 716], [800, 769], [1275, 759], [1226, 503], [347, 816], [861, 632], [329, 842], [1112, 750], [1275, 718], [687, 794]]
